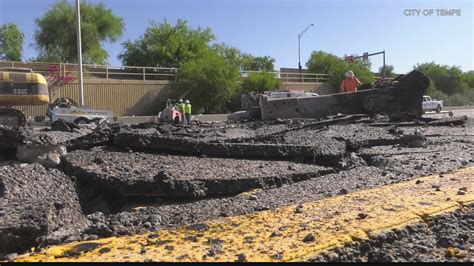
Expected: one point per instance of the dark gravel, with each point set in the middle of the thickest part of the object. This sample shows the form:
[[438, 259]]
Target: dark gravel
[[129, 188], [36, 206], [144, 174], [364, 168], [215, 131], [133, 217], [447, 238], [81, 137], [34, 136], [325, 151]]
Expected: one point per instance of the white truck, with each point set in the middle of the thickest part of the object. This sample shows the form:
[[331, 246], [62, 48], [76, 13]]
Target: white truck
[[80, 115], [431, 105], [68, 110]]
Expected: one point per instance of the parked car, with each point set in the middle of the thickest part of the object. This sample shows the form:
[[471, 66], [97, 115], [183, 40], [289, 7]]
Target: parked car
[[431, 105]]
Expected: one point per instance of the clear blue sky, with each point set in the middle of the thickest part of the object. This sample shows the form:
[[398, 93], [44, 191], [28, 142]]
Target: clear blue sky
[[271, 27]]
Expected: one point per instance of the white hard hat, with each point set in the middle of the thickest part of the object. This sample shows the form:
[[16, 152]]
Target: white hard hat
[[180, 100], [349, 74], [187, 101]]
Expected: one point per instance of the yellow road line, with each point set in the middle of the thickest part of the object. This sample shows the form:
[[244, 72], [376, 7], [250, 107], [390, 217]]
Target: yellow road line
[[278, 235]]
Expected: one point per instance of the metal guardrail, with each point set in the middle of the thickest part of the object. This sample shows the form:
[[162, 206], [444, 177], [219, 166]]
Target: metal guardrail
[[67, 72], [294, 76], [119, 72]]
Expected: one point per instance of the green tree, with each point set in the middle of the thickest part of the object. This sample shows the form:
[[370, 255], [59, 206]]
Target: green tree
[[254, 81], [56, 33], [326, 63], [260, 82], [389, 71], [11, 42], [321, 62], [211, 82], [246, 62], [165, 45], [259, 63], [449, 80], [232, 55], [469, 79]]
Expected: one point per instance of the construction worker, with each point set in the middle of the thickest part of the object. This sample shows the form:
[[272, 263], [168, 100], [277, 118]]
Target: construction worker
[[350, 83], [187, 111], [180, 108]]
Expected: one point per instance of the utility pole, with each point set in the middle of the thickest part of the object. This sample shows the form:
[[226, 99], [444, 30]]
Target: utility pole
[[366, 56], [79, 51], [299, 57], [383, 68]]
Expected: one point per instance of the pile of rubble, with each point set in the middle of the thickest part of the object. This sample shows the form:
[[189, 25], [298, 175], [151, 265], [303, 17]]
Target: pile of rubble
[[87, 182]]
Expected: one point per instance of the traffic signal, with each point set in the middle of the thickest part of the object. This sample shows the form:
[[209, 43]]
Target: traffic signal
[[349, 58], [365, 56]]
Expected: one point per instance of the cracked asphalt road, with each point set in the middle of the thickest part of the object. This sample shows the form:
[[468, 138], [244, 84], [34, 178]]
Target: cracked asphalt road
[[169, 178]]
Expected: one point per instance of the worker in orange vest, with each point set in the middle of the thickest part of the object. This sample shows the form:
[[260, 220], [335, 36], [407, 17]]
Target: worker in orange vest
[[350, 83]]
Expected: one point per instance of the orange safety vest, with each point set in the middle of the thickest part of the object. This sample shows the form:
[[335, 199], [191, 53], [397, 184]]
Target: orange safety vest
[[350, 85]]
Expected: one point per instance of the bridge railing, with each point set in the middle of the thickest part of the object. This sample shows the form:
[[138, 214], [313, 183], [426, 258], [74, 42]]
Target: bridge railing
[[294, 77], [68, 72]]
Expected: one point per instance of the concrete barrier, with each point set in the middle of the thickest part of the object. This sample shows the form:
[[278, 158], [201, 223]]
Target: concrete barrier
[[403, 96], [154, 119]]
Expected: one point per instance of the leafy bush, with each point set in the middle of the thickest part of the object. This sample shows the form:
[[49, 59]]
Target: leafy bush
[[389, 71], [260, 82], [166, 45], [11, 42], [450, 80], [326, 63], [55, 33], [458, 99], [211, 82]]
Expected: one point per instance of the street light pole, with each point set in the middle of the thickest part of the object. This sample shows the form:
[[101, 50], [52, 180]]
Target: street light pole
[[79, 51], [383, 64], [299, 53]]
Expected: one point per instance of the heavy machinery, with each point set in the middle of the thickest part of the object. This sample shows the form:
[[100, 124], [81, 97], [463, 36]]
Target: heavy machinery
[[170, 113], [20, 86]]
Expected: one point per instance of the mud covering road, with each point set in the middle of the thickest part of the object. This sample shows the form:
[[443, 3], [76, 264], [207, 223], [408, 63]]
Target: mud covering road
[[132, 179]]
